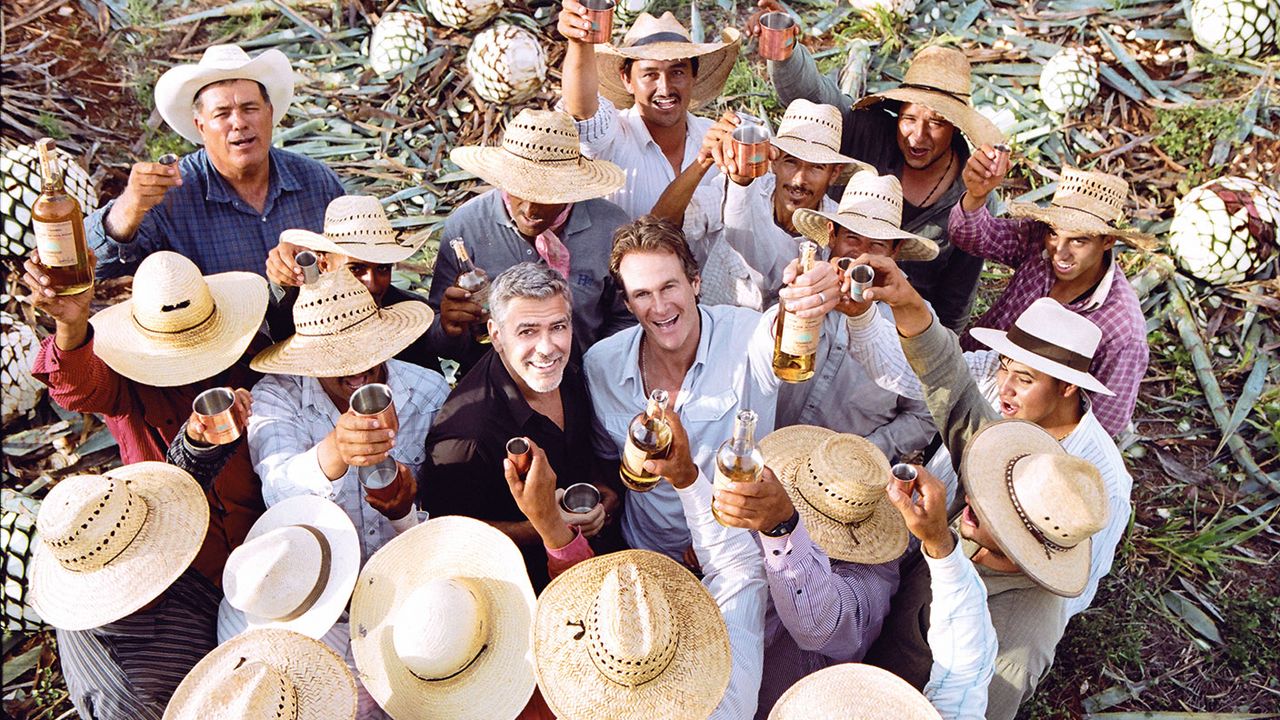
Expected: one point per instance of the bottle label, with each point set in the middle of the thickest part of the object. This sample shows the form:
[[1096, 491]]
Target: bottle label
[[481, 297], [800, 335], [633, 457], [720, 481], [56, 243]]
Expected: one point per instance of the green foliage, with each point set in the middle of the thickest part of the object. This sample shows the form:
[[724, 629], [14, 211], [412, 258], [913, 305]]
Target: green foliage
[[167, 141], [1188, 134], [143, 13], [1251, 634], [879, 25], [750, 89], [1210, 546], [51, 126]]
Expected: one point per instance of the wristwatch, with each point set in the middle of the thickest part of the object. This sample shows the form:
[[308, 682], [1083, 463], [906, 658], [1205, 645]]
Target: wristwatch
[[783, 528]]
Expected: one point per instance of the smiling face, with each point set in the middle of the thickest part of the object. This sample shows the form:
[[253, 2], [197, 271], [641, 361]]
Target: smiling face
[[661, 88], [339, 389], [234, 121], [662, 297], [531, 218], [847, 243], [377, 278], [1077, 257], [799, 185], [1028, 394], [924, 136], [534, 338]]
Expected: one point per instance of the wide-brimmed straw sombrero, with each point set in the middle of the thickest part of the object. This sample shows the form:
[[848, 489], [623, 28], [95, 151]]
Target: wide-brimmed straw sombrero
[[541, 161], [631, 635], [837, 483], [664, 38], [1084, 203], [179, 327], [340, 330], [440, 623], [1052, 339], [812, 132], [357, 226], [872, 207], [110, 544], [938, 78], [266, 673], [853, 691], [1040, 504], [176, 89]]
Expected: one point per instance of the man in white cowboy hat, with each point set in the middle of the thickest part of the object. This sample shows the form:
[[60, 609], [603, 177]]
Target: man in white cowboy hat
[[546, 206], [224, 205], [1066, 252]]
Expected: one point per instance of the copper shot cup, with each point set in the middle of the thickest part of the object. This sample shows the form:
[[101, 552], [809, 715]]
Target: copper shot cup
[[518, 452], [214, 406], [751, 150], [905, 477], [381, 481], [860, 277], [580, 498], [778, 33], [310, 265], [600, 13]]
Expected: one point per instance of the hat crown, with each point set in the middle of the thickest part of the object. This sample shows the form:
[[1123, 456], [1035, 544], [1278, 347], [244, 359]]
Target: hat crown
[[335, 303], [646, 25], [631, 631], [88, 520], [941, 68], [1062, 496], [1099, 194], [874, 196], [224, 56], [272, 575], [1049, 321], [358, 220], [254, 690], [442, 627], [812, 122], [542, 136], [844, 478], [170, 295]]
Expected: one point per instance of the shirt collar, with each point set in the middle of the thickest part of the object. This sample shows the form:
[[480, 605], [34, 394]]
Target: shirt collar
[[631, 371], [631, 116], [579, 218], [509, 390], [1103, 288]]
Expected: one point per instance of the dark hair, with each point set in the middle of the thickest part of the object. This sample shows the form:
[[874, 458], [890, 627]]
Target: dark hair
[[651, 234], [195, 101], [628, 62]]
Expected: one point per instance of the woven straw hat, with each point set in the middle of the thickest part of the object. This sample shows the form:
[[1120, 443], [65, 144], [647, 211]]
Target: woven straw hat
[[179, 327], [664, 38], [177, 87], [440, 623], [296, 568], [267, 673], [110, 544], [630, 635], [938, 78], [341, 331], [1040, 504], [357, 226], [837, 483], [872, 207], [540, 161], [812, 132], [853, 691], [1085, 203], [1051, 339]]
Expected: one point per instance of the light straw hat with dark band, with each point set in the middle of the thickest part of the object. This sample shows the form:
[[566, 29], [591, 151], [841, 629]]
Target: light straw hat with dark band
[[812, 133], [853, 691], [1084, 203], [871, 206], [938, 78], [110, 544], [1052, 339], [1040, 504], [179, 327], [357, 226], [837, 483], [267, 673], [541, 161], [664, 38], [176, 89]]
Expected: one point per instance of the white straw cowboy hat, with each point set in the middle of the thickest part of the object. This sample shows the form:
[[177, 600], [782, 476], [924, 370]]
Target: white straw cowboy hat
[[340, 330], [853, 691], [1040, 504], [176, 89], [837, 483], [664, 38], [110, 544], [357, 226], [631, 635], [872, 207], [1052, 339], [179, 327], [541, 161], [440, 623], [812, 132], [267, 673], [938, 78], [1084, 203], [296, 568]]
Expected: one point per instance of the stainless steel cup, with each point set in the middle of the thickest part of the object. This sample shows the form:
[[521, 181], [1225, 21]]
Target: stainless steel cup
[[861, 276], [580, 498], [518, 452], [905, 475], [600, 13], [751, 150], [167, 159], [380, 481], [778, 33], [310, 265], [214, 408]]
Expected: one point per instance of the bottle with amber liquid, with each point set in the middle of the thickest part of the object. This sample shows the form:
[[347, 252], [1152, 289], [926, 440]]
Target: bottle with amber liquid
[[795, 339], [648, 438], [738, 459], [59, 228], [475, 281]]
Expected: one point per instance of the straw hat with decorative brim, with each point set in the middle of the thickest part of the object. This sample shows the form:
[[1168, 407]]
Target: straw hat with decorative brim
[[540, 161], [853, 691], [340, 330], [1084, 203], [631, 635], [664, 38], [176, 89], [110, 544], [938, 78], [1040, 504], [871, 206], [440, 623], [266, 673], [357, 226], [179, 327], [1052, 339], [837, 483]]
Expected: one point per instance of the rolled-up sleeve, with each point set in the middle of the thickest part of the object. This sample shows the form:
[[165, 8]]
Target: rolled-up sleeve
[[597, 133]]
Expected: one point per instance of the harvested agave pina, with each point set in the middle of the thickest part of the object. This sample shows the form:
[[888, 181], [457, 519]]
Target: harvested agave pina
[[463, 14], [1237, 28], [399, 40], [20, 186], [507, 64], [1069, 81], [21, 391], [1226, 230]]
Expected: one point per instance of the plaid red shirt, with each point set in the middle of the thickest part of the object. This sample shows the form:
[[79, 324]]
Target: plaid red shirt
[[1121, 358]]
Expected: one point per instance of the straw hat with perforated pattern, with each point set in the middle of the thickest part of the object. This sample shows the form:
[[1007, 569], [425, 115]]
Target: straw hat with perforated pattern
[[1085, 203], [853, 691], [872, 207], [357, 226], [811, 132], [664, 38]]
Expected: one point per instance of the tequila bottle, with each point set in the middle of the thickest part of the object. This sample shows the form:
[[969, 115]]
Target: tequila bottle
[[738, 459], [475, 281], [59, 228], [795, 342], [648, 437]]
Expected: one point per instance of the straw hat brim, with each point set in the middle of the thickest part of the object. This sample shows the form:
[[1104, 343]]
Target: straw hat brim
[[368, 344], [177, 87], [983, 470], [812, 152], [690, 687], [170, 537], [545, 183], [998, 340], [1070, 220], [325, 688], [853, 691], [715, 62], [813, 225], [373, 253], [500, 681], [977, 127]]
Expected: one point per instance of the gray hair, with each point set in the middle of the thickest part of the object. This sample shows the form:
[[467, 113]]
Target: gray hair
[[536, 281]]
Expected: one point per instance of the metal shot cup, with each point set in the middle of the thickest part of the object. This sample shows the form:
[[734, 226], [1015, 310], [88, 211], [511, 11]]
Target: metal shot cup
[[751, 150], [778, 33], [380, 481], [580, 498], [861, 277], [519, 455], [214, 408], [905, 476], [600, 13], [310, 265], [374, 400], [167, 159]]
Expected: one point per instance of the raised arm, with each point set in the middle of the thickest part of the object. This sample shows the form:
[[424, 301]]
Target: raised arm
[[580, 80], [192, 451]]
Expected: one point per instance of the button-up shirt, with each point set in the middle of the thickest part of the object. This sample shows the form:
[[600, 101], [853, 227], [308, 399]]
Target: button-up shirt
[[206, 221], [1121, 358], [961, 638]]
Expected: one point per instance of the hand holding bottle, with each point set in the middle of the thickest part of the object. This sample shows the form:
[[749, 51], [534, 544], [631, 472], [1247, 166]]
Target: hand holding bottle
[[70, 312], [677, 467], [756, 506]]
